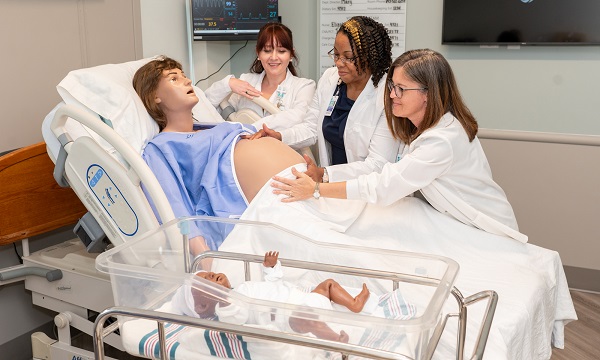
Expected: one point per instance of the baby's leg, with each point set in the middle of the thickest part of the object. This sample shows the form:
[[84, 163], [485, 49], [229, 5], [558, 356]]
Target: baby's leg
[[318, 328], [332, 290]]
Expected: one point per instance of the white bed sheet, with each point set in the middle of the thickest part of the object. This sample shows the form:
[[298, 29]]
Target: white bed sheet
[[140, 338], [534, 300]]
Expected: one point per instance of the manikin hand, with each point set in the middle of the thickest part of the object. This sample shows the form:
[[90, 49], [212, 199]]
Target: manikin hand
[[265, 131], [271, 259]]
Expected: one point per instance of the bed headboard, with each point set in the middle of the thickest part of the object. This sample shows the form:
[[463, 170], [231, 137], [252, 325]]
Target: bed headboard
[[31, 202]]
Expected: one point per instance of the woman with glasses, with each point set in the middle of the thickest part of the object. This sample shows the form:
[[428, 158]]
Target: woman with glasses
[[272, 76], [441, 156], [346, 117]]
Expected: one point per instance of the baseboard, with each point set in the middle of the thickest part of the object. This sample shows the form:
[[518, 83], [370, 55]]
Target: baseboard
[[19, 348], [583, 279]]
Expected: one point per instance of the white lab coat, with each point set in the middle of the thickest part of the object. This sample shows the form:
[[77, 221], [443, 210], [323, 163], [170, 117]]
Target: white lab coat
[[368, 141], [298, 94], [204, 111], [453, 175]]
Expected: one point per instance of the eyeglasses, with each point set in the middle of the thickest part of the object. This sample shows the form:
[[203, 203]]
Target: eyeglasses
[[343, 59], [399, 90]]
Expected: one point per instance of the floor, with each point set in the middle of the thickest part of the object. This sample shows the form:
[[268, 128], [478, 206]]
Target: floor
[[582, 336]]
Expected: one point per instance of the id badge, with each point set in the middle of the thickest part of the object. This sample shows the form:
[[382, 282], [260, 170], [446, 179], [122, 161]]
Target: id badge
[[331, 105]]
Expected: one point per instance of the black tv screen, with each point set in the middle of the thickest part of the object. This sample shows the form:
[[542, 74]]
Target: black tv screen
[[521, 22], [231, 19]]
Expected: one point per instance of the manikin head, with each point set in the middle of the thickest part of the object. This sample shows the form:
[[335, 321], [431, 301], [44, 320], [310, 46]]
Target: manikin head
[[164, 89]]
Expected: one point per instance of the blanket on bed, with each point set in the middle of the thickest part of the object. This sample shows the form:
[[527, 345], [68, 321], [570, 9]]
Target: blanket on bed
[[534, 300], [140, 337]]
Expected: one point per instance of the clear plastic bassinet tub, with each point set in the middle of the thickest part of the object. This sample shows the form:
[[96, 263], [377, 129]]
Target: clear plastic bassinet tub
[[407, 292]]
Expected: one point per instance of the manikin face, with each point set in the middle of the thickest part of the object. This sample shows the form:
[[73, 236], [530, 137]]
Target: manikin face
[[175, 92], [275, 60], [347, 70], [412, 103], [219, 278]]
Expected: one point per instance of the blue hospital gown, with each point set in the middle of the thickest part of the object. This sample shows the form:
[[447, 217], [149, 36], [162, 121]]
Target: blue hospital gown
[[195, 170]]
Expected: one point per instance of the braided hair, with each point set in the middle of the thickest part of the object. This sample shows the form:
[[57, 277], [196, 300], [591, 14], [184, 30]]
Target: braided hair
[[371, 45]]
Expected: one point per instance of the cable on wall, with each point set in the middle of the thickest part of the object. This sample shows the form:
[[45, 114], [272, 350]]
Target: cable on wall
[[228, 60]]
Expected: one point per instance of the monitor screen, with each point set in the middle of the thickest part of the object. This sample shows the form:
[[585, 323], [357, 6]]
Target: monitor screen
[[231, 19], [521, 22]]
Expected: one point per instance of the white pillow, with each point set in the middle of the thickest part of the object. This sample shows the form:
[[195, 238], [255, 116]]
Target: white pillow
[[107, 90]]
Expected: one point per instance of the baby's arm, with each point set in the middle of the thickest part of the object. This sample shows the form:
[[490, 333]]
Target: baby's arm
[[272, 267], [270, 259]]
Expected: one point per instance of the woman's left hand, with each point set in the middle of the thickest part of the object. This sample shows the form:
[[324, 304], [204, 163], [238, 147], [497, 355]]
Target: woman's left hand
[[301, 188]]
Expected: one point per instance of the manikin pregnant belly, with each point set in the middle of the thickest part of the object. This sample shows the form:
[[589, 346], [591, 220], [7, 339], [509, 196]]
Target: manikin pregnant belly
[[257, 161]]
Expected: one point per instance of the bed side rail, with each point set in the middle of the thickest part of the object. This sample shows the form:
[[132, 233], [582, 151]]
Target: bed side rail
[[138, 168], [484, 329], [293, 339], [338, 269]]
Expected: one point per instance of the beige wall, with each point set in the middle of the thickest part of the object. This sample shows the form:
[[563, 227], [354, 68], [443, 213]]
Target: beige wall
[[552, 183], [42, 41]]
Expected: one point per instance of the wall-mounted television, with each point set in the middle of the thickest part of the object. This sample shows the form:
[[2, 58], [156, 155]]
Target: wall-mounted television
[[226, 20], [521, 22]]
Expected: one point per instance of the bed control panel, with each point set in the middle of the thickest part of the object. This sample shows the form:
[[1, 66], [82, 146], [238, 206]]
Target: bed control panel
[[112, 200]]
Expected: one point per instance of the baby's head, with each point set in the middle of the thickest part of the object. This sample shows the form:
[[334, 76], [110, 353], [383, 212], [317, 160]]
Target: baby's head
[[217, 278], [204, 303]]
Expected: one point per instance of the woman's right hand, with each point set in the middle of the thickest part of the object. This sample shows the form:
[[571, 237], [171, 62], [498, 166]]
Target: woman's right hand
[[265, 131], [243, 88]]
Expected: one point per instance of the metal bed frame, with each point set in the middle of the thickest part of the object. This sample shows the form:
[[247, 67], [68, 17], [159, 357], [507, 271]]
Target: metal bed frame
[[101, 330]]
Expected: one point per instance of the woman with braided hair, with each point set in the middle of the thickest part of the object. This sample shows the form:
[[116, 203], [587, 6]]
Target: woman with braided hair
[[346, 117]]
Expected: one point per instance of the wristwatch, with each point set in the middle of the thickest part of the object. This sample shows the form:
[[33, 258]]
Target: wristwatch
[[325, 175], [317, 194]]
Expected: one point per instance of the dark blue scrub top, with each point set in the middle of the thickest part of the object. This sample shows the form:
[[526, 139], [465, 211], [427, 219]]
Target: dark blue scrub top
[[334, 126]]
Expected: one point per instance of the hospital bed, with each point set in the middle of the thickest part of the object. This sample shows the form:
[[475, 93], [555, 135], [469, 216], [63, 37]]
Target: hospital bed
[[534, 303]]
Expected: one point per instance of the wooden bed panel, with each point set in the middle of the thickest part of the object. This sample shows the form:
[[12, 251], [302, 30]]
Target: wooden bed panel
[[31, 202]]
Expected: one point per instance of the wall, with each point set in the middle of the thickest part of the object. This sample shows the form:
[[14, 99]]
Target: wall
[[164, 32], [534, 88], [41, 42], [537, 88], [554, 192], [295, 15]]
